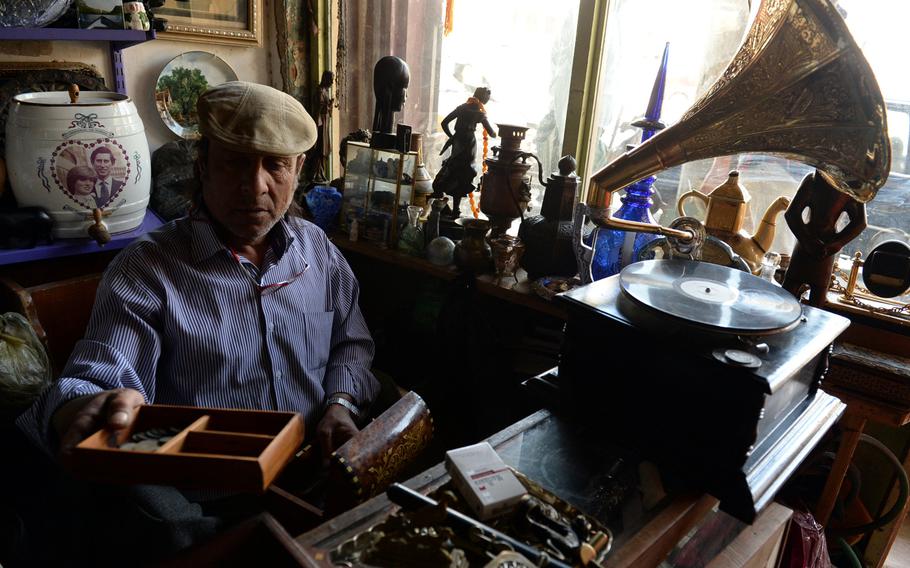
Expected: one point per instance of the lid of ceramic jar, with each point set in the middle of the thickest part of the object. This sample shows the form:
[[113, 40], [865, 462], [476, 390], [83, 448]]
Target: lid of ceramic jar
[[62, 98]]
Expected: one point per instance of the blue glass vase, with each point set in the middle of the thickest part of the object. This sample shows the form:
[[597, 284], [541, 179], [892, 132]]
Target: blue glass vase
[[614, 249], [324, 202]]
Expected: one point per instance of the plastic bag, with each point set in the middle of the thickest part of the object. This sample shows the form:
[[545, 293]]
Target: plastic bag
[[24, 366], [805, 547]]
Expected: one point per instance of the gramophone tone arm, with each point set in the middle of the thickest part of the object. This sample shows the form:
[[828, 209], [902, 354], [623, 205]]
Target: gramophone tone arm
[[603, 217]]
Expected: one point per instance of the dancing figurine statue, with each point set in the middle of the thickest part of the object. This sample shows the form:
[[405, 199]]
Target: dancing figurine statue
[[456, 176]]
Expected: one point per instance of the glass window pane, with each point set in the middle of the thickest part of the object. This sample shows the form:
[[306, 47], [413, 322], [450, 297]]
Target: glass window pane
[[704, 35], [521, 49], [879, 29]]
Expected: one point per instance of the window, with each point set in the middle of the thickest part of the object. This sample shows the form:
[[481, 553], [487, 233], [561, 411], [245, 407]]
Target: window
[[521, 49], [525, 52]]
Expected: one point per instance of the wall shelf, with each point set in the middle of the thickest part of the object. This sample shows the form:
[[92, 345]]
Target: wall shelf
[[71, 247], [118, 40]]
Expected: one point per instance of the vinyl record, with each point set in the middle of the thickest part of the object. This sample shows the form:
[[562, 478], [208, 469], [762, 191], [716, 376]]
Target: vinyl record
[[710, 296]]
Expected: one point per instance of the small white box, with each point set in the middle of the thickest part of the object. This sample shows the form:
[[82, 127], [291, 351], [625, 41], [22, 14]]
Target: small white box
[[484, 480]]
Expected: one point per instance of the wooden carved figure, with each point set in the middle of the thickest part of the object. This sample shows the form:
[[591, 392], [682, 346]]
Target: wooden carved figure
[[814, 216]]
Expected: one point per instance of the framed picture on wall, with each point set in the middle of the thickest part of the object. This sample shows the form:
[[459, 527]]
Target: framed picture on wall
[[235, 22], [100, 14]]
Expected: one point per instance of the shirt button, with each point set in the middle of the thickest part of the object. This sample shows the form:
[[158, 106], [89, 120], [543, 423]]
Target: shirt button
[[271, 327], [277, 374]]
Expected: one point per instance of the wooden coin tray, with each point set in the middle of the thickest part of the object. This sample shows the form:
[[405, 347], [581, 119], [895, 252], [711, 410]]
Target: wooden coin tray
[[241, 450]]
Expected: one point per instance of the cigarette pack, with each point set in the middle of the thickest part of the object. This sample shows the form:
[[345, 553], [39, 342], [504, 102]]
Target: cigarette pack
[[484, 480]]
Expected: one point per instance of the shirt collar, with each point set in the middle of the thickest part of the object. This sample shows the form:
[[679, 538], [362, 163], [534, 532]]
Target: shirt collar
[[205, 242]]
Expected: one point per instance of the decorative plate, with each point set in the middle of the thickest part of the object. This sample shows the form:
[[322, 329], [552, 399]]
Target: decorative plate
[[31, 13], [180, 83]]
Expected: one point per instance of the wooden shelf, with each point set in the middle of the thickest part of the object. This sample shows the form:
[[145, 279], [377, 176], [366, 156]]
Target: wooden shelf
[[71, 247], [74, 34], [508, 290]]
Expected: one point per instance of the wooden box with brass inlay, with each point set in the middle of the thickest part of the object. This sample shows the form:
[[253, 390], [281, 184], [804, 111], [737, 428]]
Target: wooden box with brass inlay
[[240, 450]]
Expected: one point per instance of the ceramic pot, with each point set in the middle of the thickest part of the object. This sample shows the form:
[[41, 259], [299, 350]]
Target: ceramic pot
[[75, 158], [135, 17], [472, 252], [324, 202]]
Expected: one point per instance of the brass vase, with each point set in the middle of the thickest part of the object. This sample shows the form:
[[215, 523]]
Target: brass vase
[[473, 253]]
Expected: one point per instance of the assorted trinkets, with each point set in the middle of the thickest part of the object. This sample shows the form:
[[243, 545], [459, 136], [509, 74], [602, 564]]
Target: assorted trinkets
[[428, 532]]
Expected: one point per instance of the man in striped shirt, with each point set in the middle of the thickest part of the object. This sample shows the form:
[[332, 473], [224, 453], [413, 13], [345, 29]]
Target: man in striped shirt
[[238, 305]]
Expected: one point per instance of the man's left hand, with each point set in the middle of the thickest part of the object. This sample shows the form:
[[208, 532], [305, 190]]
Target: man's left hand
[[336, 427]]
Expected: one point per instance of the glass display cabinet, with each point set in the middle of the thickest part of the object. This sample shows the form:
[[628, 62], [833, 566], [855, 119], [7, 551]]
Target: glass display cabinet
[[378, 187]]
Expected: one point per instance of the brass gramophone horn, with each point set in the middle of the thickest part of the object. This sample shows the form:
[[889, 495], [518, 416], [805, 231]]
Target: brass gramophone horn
[[799, 87]]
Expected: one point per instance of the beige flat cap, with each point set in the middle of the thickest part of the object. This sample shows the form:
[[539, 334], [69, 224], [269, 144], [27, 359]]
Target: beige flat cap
[[253, 118]]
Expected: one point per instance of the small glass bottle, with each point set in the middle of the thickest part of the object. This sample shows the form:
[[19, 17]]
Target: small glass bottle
[[411, 240], [769, 264]]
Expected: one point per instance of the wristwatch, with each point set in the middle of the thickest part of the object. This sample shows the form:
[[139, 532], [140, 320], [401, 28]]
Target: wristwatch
[[352, 408]]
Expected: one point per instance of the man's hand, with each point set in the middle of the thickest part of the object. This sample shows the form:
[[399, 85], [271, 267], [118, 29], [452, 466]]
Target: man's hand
[[79, 418], [336, 427]]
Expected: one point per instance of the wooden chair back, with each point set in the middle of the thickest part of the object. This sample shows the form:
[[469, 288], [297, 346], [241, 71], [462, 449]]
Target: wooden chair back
[[58, 311]]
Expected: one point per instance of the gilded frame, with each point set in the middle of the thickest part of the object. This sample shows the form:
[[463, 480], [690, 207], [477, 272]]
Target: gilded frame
[[232, 22]]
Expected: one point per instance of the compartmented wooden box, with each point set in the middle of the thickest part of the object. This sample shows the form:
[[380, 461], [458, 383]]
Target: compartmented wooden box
[[241, 450]]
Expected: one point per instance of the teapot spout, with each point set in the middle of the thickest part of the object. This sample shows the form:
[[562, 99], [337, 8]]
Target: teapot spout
[[766, 229]]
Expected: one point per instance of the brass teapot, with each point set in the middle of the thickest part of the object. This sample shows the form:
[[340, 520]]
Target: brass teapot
[[728, 205]]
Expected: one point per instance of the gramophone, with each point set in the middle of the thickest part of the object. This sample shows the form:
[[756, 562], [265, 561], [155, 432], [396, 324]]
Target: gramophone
[[719, 370]]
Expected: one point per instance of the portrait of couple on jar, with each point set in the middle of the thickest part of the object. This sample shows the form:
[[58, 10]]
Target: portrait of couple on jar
[[95, 184]]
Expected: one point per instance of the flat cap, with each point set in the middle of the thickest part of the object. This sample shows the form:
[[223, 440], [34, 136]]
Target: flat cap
[[253, 118]]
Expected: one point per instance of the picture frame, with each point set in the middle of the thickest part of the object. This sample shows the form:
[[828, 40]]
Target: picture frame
[[100, 14], [231, 22]]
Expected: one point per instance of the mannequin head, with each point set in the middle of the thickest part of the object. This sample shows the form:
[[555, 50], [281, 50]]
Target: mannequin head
[[390, 83]]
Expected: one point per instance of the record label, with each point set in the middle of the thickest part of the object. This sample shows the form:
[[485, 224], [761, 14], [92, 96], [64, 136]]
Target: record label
[[710, 296], [707, 290]]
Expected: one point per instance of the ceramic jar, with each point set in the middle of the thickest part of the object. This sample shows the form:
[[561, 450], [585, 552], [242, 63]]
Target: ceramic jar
[[135, 17], [79, 160]]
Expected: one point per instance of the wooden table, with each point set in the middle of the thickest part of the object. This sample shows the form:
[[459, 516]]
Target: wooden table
[[876, 388], [648, 518]]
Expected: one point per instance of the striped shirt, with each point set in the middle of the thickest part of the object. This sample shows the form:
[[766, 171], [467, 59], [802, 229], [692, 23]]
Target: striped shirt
[[183, 320]]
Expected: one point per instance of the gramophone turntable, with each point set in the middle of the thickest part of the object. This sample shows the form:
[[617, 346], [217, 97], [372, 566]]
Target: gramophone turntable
[[715, 373]]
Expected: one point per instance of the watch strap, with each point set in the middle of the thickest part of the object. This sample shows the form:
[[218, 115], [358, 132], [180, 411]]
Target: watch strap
[[352, 408]]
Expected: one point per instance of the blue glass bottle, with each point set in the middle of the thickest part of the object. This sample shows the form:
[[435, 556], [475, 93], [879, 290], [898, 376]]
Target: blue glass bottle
[[324, 202], [613, 248]]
